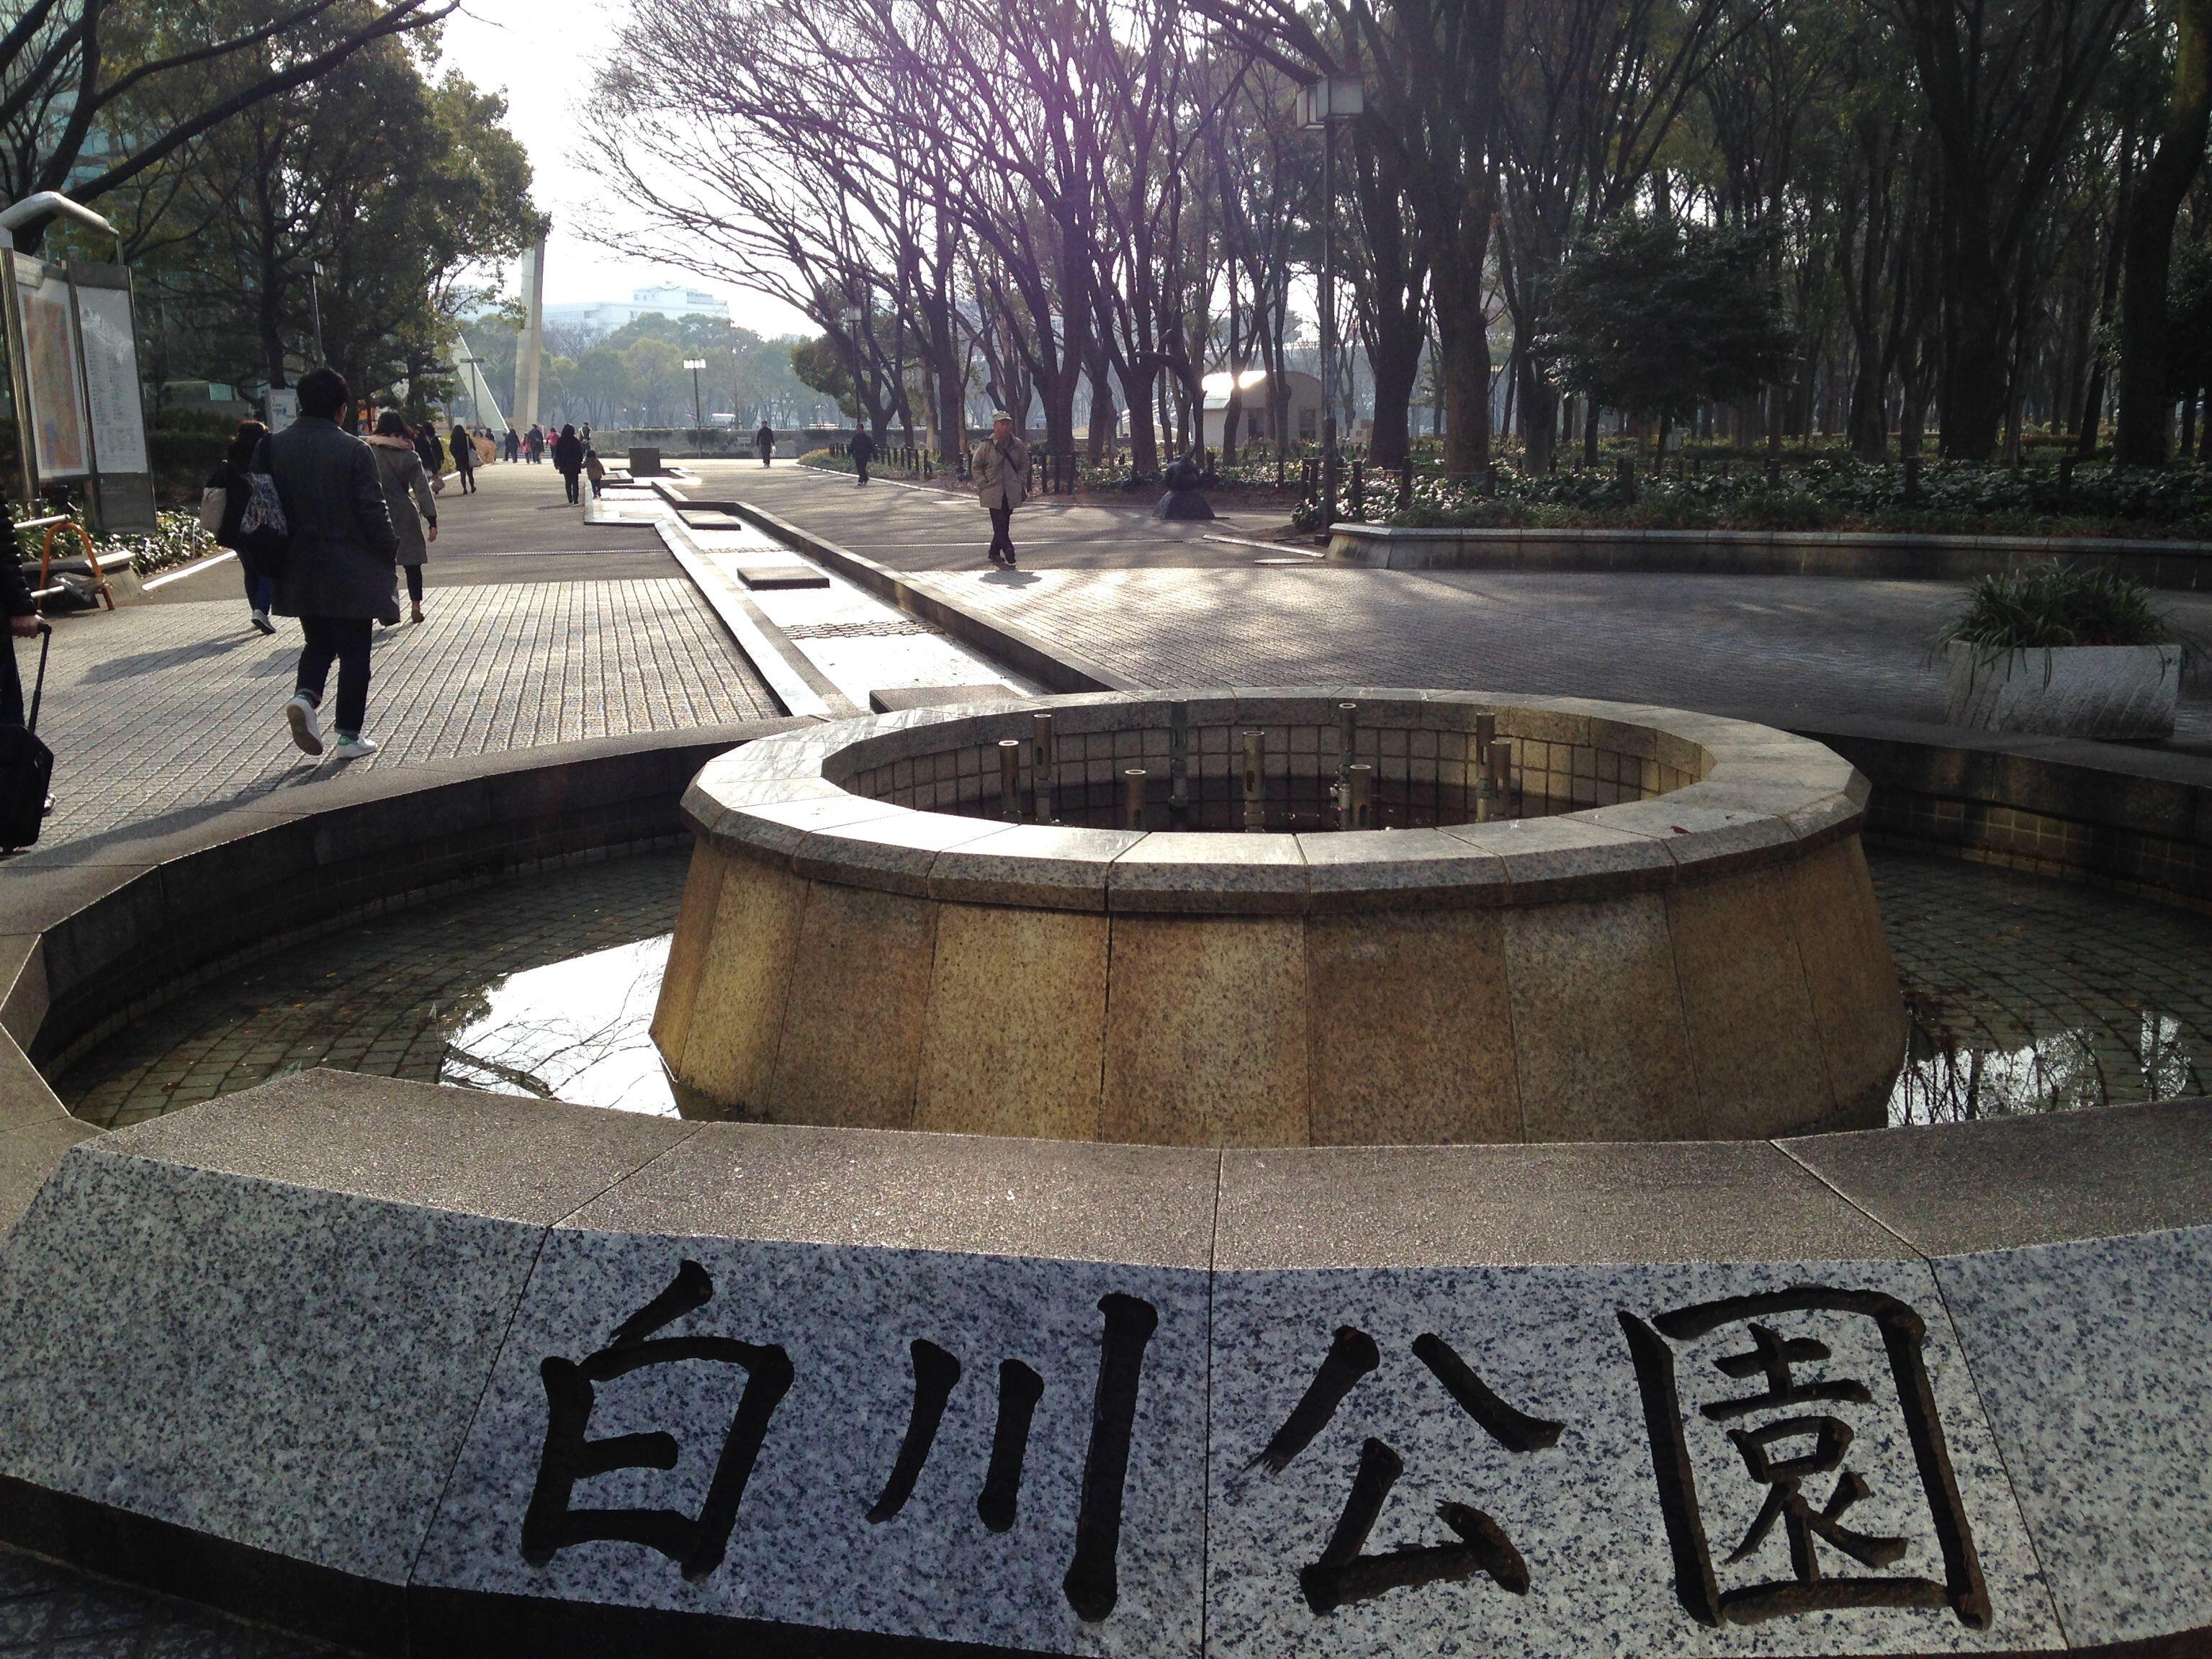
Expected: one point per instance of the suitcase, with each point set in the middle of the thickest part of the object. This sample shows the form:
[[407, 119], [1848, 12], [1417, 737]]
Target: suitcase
[[26, 766]]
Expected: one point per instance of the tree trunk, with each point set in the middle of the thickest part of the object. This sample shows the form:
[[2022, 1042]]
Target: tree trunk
[[1144, 434], [1463, 349], [1869, 420], [1395, 358], [1102, 421], [1971, 401], [2139, 435]]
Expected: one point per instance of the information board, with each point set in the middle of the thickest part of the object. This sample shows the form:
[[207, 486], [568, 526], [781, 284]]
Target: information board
[[53, 374], [111, 379]]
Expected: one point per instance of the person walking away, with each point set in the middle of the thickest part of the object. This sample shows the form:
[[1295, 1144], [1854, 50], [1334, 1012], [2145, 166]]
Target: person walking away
[[533, 443], [862, 449], [595, 470], [337, 575], [407, 495], [464, 460], [427, 447], [510, 445], [230, 479], [1002, 480], [569, 459], [764, 441]]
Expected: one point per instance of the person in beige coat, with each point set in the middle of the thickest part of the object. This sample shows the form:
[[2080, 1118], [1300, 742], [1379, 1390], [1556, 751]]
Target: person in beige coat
[[1002, 481], [406, 492]]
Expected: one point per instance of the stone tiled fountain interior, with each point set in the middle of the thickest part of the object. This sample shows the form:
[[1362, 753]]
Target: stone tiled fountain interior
[[1423, 776]]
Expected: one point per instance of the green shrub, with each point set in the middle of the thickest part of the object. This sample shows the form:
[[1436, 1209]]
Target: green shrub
[[180, 540], [1827, 493], [2056, 604]]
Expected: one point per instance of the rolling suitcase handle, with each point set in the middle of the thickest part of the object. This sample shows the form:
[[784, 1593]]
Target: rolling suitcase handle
[[46, 644]]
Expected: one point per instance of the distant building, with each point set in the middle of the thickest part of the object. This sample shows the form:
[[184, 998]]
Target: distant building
[[605, 316], [1303, 414]]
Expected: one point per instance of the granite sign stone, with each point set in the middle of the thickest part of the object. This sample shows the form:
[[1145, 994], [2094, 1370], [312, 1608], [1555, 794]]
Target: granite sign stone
[[435, 1373]]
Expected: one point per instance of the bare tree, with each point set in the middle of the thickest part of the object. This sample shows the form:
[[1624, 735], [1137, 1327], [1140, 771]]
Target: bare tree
[[158, 78]]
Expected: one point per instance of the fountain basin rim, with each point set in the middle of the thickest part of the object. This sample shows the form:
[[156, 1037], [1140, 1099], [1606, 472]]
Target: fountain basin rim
[[1763, 796]]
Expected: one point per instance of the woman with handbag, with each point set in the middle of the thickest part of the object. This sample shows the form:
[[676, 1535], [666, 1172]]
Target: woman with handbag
[[407, 493], [222, 502]]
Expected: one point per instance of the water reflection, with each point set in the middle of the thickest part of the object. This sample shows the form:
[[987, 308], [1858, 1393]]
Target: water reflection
[[576, 1030], [1949, 1078], [2027, 994]]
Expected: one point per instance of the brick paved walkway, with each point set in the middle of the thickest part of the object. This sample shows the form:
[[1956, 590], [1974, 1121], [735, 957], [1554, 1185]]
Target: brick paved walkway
[[171, 710], [1777, 648]]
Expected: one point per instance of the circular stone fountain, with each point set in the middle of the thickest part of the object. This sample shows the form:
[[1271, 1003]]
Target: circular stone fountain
[[1574, 920]]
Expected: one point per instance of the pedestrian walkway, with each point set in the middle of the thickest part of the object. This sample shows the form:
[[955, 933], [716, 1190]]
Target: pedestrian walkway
[[1174, 610], [170, 710]]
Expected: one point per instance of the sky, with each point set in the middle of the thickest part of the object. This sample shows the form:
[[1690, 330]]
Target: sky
[[541, 53]]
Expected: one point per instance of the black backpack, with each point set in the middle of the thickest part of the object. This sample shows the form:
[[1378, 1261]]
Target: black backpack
[[26, 766]]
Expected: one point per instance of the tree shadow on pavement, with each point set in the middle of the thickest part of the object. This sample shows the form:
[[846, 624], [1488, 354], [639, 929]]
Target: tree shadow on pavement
[[169, 656]]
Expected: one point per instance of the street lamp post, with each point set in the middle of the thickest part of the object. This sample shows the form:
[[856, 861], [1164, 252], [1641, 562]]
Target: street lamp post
[[698, 409], [315, 306], [1326, 104]]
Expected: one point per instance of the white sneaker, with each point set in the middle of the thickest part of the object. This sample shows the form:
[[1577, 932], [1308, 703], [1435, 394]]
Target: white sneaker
[[261, 621], [355, 748], [307, 730]]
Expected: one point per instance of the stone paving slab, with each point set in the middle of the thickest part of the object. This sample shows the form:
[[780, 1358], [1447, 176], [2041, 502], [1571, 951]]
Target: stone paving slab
[[913, 526], [1176, 611]]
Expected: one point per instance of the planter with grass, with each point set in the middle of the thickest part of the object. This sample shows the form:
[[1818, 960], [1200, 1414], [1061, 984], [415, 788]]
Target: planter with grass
[[2064, 652]]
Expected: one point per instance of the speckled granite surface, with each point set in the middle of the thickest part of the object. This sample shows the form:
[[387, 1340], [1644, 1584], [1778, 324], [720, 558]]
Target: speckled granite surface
[[1115, 1401], [811, 1542], [2094, 1360]]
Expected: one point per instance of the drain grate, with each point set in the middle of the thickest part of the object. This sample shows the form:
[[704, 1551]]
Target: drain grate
[[867, 630]]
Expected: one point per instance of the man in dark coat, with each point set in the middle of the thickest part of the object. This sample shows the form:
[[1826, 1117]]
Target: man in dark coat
[[338, 570], [764, 441], [862, 448], [569, 459], [431, 449]]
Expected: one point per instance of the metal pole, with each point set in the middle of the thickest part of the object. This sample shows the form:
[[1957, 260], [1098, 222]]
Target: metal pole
[[1256, 799], [1362, 797], [1348, 731], [1328, 458], [1041, 764], [1486, 787], [1009, 779], [698, 414], [315, 307], [1133, 798], [1178, 764]]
